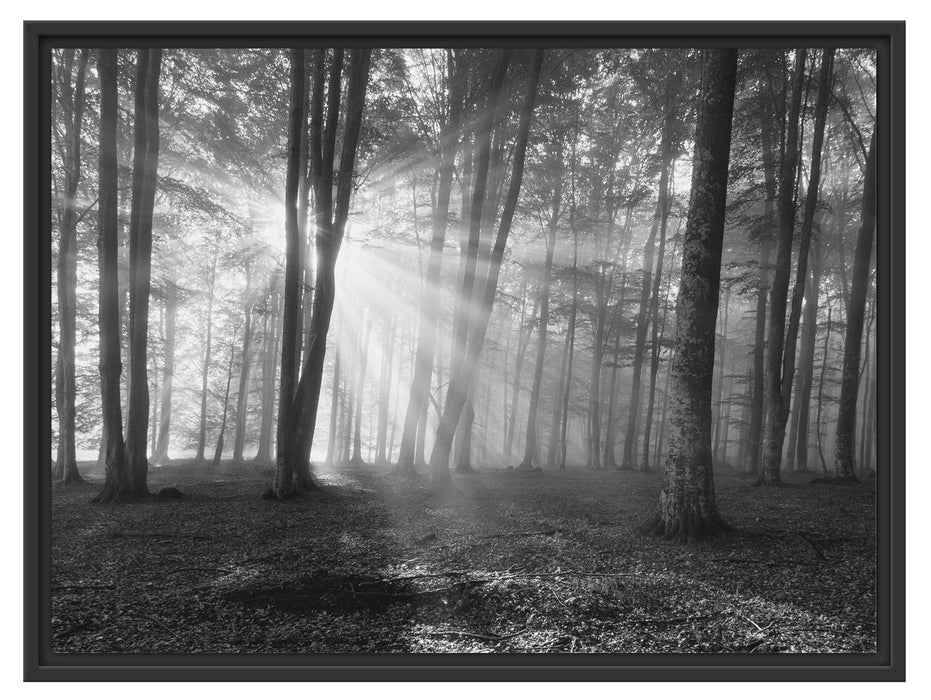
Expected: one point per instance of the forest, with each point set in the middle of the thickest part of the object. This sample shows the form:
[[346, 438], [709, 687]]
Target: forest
[[462, 349]]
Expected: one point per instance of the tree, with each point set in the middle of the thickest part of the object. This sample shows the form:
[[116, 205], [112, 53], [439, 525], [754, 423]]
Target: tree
[[782, 340], [426, 330], [117, 485], [847, 405], [687, 509], [71, 101], [145, 176], [441, 482], [297, 412]]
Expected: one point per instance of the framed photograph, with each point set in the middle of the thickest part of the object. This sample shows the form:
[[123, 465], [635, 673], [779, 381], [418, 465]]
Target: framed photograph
[[464, 351]]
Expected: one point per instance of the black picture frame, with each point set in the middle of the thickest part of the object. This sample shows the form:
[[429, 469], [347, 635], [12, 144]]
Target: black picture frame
[[887, 664]]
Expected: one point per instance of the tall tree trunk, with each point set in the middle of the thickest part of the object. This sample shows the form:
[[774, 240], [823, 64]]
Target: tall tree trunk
[[629, 460], [218, 454], [457, 394], [530, 446], [426, 332], [208, 347], [118, 484], [384, 393], [782, 368], [332, 443], [844, 468], [719, 402], [659, 333], [298, 423], [757, 406], [687, 509], [272, 337], [290, 355], [363, 356], [168, 373], [242, 396], [145, 178], [807, 360], [776, 411], [72, 102]]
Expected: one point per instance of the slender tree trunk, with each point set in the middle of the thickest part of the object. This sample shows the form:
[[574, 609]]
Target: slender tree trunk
[[242, 396], [844, 468], [73, 111], [145, 177], [807, 360], [168, 374], [356, 458], [208, 342], [722, 347], [777, 399], [384, 394], [458, 390], [824, 366], [118, 484], [297, 425], [218, 454], [757, 406], [530, 446], [687, 508], [287, 449], [426, 334], [272, 337]]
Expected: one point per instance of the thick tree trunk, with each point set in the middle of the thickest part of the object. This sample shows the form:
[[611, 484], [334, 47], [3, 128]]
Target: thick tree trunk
[[72, 102], [118, 484], [687, 509], [145, 177], [844, 468]]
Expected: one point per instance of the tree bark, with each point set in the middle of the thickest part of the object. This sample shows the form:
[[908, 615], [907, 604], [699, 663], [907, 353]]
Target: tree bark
[[72, 102], [426, 332], [145, 178], [208, 347], [844, 467], [441, 482], [687, 509], [168, 373], [782, 369], [776, 403], [118, 484], [242, 396], [297, 418]]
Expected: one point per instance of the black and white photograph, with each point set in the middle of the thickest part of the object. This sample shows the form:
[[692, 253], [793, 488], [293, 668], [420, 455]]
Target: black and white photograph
[[463, 349]]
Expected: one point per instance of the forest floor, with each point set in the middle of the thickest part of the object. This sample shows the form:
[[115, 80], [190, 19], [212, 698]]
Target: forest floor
[[528, 561]]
